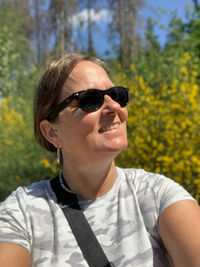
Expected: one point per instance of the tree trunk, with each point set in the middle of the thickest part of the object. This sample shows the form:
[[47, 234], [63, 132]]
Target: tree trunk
[[62, 31], [37, 31], [122, 33], [196, 5], [132, 30], [90, 42]]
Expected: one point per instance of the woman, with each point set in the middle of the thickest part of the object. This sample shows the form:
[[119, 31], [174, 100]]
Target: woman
[[139, 218]]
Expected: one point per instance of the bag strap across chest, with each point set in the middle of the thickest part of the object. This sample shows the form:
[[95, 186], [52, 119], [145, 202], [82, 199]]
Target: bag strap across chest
[[85, 237]]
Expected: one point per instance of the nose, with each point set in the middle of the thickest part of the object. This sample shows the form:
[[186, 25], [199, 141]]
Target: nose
[[110, 106]]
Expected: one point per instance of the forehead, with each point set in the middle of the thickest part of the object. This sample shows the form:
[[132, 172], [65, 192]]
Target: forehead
[[85, 75], [85, 67]]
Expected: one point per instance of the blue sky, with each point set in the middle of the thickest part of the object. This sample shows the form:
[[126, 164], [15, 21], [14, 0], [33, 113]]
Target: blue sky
[[101, 44]]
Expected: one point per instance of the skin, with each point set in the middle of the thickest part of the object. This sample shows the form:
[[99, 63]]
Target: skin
[[179, 227], [88, 152], [89, 169], [12, 255]]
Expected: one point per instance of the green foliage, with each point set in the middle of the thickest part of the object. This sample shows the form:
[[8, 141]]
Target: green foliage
[[7, 81], [151, 40], [192, 28], [22, 161], [14, 50], [185, 34]]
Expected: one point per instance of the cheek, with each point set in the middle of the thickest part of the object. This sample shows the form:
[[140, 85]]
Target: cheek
[[123, 114], [89, 121], [78, 122], [88, 129], [81, 129]]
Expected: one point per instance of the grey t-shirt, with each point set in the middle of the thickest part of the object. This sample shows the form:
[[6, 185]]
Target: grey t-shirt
[[125, 221]]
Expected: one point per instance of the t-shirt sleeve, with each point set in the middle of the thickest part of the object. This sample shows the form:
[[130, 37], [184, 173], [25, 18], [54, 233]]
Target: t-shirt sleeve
[[154, 194], [14, 220], [160, 190], [171, 192]]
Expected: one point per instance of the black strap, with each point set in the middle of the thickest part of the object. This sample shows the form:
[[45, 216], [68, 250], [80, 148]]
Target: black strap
[[86, 239]]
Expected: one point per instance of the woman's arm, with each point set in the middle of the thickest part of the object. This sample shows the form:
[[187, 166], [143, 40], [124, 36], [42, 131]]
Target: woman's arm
[[12, 255], [179, 227]]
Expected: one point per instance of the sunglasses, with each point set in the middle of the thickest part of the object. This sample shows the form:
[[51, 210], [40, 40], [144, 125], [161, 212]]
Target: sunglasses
[[92, 99]]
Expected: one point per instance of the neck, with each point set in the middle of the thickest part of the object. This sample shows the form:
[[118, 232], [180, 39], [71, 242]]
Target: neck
[[90, 182]]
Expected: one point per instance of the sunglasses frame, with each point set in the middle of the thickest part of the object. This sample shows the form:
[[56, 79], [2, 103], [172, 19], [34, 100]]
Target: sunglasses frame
[[54, 113]]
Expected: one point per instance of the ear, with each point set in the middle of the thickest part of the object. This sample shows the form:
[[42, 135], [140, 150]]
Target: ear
[[49, 132]]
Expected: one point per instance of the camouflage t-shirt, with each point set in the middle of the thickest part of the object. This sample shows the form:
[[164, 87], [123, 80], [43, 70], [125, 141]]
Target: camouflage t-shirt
[[125, 221]]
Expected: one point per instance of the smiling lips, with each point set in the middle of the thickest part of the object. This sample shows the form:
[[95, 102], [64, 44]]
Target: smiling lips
[[111, 127]]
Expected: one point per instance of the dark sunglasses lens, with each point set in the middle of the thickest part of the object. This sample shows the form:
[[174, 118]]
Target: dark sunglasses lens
[[90, 100], [120, 95]]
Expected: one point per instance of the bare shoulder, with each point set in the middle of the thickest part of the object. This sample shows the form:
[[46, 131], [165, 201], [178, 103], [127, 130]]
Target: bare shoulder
[[13, 255], [179, 227]]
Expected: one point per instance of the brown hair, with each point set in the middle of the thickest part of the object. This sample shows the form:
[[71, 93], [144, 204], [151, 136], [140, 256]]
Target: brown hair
[[49, 88]]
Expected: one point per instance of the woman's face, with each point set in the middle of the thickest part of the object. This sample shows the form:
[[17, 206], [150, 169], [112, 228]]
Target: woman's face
[[85, 136]]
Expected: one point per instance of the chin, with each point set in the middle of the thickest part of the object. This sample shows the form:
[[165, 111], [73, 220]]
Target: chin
[[117, 148]]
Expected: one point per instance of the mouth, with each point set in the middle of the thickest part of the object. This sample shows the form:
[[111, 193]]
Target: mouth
[[108, 128]]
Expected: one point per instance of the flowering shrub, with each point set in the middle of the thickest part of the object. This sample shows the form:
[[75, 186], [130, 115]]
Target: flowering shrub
[[163, 131], [22, 161], [164, 125]]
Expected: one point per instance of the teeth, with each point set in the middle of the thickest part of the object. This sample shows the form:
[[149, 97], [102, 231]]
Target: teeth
[[111, 127]]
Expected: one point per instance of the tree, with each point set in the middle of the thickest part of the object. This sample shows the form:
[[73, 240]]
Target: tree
[[196, 5], [89, 25], [14, 50], [191, 28], [91, 8], [151, 42], [61, 14], [38, 30], [123, 28]]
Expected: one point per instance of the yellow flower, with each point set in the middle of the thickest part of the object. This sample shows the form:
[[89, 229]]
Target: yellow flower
[[45, 162], [132, 67], [184, 70], [7, 142]]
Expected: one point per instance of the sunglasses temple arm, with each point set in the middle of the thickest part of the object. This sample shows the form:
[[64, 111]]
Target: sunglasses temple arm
[[58, 109]]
